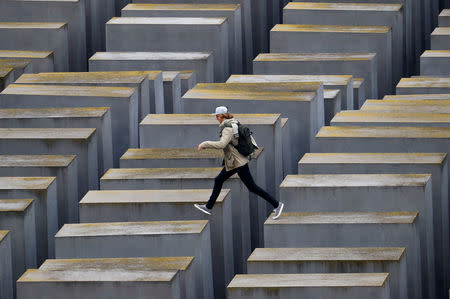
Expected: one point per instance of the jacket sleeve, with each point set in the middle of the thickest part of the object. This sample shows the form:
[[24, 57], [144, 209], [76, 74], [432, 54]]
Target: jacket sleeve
[[222, 143]]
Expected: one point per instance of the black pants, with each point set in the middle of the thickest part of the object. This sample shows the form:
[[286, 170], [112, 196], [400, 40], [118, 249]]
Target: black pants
[[246, 177]]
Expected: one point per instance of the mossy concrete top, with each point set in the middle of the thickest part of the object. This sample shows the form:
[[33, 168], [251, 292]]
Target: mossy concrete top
[[162, 173], [382, 7], [327, 254], [437, 107], [166, 21], [436, 53], [83, 77], [26, 183], [373, 158], [32, 25], [207, 119], [334, 280], [362, 116], [69, 91], [325, 79], [407, 102], [445, 13], [354, 180], [36, 160], [263, 86], [124, 56], [315, 57], [132, 228], [411, 97], [5, 71], [105, 275], [14, 205], [3, 234], [150, 196], [331, 29], [170, 76], [424, 82], [25, 54], [182, 6], [330, 94], [385, 132], [357, 82], [441, 31], [185, 75], [112, 264], [14, 63], [344, 218], [176, 153], [46, 133], [78, 112]]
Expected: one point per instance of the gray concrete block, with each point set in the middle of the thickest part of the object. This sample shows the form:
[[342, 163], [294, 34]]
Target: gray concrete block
[[19, 66], [38, 36], [377, 39], [102, 284], [6, 77], [190, 178], [332, 102], [41, 61], [433, 63], [142, 239], [201, 62], [440, 38], [359, 92], [6, 281], [326, 286], [188, 80], [181, 264], [390, 260], [359, 14], [351, 229], [287, 151], [98, 118], [17, 216], [63, 168], [230, 11], [136, 80], [164, 205], [444, 18], [172, 34], [43, 191], [172, 92], [300, 102], [341, 82], [122, 101], [412, 97], [436, 107], [362, 65]]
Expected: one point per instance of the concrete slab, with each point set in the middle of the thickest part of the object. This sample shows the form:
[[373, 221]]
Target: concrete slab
[[332, 101], [163, 205], [130, 79], [363, 65], [367, 285], [20, 66], [444, 18], [300, 102], [201, 62], [289, 38], [173, 34], [98, 118], [181, 264], [359, 92], [432, 63], [6, 77], [351, 229], [191, 178], [60, 141], [440, 38], [18, 216], [122, 101], [43, 191], [172, 92], [142, 239], [230, 11], [421, 85], [6, 281], [438, 107], [63, 168], [188, 80], [390, 260], [418, 97], [43, 36], [359, 14], [341, 82], [99, 283], [41, 61], [287, 152]]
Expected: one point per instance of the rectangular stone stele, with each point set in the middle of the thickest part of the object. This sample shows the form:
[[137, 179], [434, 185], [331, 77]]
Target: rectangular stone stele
[[6, 77], [412, 97], [437, 107], [41, 61], [423, 85], [102, 284], [20, 66], [440, 38], [6, 280], [433, 63], [444, 18], [326, 286]]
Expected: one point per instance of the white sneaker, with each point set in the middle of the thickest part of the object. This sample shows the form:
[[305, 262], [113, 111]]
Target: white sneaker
[[278, 210], [203, 208]]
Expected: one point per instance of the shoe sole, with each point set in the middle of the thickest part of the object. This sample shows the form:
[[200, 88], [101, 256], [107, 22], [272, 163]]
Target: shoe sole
[[281, 211], [200, 209]]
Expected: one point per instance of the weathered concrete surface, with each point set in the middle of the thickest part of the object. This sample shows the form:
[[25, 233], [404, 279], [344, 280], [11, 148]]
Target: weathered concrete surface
[[43, 191], [201, 62], [444, 18], [19, 66], [41, 61], [6, 281], [122, 101], [436, 107], [6, 77], [38, 36], [360, 91], [327, 286], [188, 80], [332, 102], [390, 260], [287, 151], [172, 34], [172, 92], [440, 38], [363, 65], [351, 229], [378, 39], [163, 205], [142, 239], [432, 63], [63, 168], [412, 97], [421, 85], [99, 283], [182, 264]]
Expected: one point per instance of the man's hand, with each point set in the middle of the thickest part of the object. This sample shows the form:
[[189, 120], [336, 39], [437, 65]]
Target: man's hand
[[200, 147]]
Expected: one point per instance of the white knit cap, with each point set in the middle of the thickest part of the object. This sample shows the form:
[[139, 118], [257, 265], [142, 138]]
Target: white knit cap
[[221, 110]]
